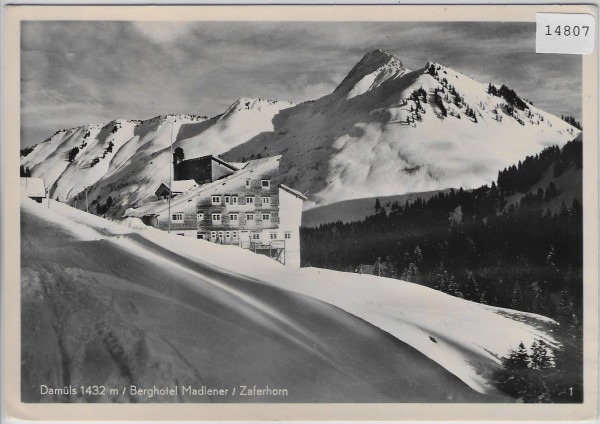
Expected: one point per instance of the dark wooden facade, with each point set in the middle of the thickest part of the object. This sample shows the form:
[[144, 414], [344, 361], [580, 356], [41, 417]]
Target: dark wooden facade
[[203, 170]]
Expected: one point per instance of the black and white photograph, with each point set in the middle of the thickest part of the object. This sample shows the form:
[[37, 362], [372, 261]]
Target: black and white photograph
[[297, 211]]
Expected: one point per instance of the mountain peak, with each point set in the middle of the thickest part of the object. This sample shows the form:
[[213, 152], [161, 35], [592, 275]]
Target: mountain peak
[[379, 58], [376, 60]]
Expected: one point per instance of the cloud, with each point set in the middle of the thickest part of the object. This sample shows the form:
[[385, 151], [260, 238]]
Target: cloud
[[309, 91], [102, 70], [162, 31]]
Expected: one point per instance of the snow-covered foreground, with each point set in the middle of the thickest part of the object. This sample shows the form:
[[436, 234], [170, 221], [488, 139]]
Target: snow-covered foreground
[[234, 317]]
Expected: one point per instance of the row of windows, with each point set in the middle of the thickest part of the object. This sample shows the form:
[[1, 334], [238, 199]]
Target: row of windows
[[287, 235], [233, 200], [217, 217], [266, 184], [273, 235], [224, 235], [233, 235]]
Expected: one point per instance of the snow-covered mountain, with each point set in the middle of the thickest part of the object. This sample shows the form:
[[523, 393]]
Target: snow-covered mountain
[[127, 160], [385, 130]]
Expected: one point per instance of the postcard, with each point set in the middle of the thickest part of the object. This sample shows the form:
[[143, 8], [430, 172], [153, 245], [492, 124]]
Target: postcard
[[300, 212]]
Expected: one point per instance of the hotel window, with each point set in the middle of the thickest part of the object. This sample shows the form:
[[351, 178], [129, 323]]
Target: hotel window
[[234, 200], [234, 235], [233, 217], [273, 236], [200, 216], [266, 201], [227, 198], [177, 217], [220, 236], [213, 235], [247, 183], [216, 200], [216, 218], [287, 235], [200, 236], [265, 184], [256, 236], [227, 235], [249, 217], [249, 200], [266, 216]]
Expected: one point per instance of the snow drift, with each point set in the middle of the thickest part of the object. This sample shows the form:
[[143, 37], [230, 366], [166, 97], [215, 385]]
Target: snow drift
[[199, 298]]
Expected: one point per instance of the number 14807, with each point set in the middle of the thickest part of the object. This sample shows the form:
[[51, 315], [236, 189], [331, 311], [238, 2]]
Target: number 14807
[[567, 30]]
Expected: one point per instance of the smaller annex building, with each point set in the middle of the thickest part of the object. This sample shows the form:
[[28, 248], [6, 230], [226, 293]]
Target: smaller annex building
[[34, 188], [241, 205]]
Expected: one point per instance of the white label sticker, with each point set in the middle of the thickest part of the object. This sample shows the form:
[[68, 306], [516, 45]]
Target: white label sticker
[[568, 33]]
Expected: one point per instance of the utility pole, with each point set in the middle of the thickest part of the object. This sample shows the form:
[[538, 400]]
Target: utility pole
[[170, 178]]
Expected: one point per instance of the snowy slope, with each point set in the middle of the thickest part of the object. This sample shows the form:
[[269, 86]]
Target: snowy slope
[[465, 338], [79, 174]]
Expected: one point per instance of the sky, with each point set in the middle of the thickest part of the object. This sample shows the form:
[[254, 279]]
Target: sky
[[77, 73]]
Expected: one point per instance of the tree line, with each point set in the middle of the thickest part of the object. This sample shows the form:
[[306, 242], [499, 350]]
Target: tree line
[[571, 120]]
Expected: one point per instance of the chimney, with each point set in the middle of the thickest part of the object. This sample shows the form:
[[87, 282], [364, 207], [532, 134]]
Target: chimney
[[178, 157]]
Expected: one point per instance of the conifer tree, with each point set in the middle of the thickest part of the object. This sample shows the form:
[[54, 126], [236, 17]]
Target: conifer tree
[[539, 358], [564, 308], [516, 299], [513, 378], [24, 171], [72, 153], [377, 205], [453, 288], [517, 359], [411, 273], [440, 279], [470, 289], [418, 256]]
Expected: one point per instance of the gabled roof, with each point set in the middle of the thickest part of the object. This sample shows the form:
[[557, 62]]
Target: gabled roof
[[180, 186], [292, 191], [33, 187], [162, 188]]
